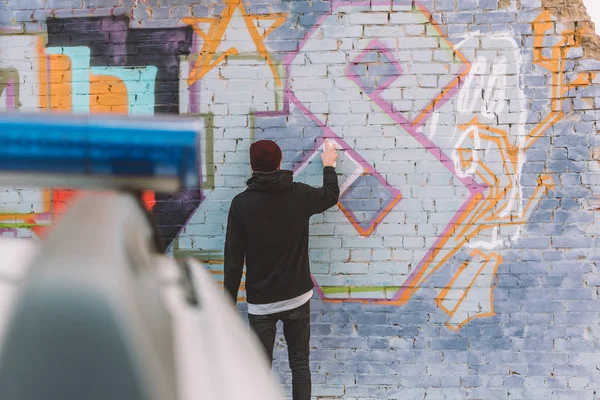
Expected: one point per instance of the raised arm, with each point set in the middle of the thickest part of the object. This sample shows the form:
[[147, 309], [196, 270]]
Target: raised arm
[[327, 196], [323, 198]]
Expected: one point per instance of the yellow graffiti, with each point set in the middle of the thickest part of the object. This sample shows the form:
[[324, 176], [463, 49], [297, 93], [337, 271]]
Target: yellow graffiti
[[208, 58]]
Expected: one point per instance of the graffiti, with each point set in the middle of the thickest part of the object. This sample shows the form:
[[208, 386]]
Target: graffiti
[[500, 209], [381, 82], [469, 294], [97, 65], [21, 209], [143, 60], [480, 85], [213, 32], [9, 88], [138, 91], [376, 72], [433, 131], [360, 186], [19, 73], [231, 106], [465, 132]]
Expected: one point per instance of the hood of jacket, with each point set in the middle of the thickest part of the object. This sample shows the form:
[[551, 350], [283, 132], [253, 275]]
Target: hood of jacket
[[275, 181]]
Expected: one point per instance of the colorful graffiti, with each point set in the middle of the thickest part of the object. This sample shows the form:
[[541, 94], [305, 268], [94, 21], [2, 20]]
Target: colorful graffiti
[[9, 88], [97, 65], [379, 57], [433, 130], [502, 210], [383, 86], [485, 152], [213, 30]]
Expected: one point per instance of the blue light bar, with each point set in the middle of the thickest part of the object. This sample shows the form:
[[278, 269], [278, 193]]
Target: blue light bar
[[99, 151]]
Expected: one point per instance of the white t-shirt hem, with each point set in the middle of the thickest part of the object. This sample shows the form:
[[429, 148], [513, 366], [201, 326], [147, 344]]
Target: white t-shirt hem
[[280, 306]]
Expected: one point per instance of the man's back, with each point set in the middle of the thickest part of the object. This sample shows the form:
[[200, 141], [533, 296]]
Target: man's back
[[268, 228], [269, 225]]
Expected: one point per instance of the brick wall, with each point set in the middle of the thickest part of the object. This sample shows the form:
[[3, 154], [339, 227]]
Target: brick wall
[[460, 262]]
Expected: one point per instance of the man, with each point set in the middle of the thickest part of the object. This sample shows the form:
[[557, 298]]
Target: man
[[268, 226]]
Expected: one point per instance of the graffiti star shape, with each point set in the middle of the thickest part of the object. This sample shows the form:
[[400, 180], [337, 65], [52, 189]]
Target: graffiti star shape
[[208, 58]]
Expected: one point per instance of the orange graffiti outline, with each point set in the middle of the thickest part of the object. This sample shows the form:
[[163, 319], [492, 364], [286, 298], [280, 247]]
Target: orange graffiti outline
[[376, 221], [421, 276], [444, 293], [555, 64], [509, 153], [452, 85], [485, 211], [218, 25]]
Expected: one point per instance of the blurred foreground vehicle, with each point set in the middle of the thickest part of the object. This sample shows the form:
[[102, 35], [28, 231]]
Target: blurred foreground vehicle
[[95, 310]]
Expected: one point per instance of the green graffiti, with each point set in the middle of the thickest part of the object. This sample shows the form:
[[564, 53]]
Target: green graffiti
[[205, 256], [209, 151]]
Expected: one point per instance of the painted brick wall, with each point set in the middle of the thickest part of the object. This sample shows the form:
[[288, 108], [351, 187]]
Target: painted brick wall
[[460, 262]]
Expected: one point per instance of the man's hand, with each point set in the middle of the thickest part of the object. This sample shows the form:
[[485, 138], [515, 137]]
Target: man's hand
[[329, 154]]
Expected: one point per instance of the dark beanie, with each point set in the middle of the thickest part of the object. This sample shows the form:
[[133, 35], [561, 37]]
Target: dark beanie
[[265, 156]]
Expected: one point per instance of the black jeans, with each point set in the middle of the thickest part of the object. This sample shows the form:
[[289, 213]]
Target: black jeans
[[296, 330]]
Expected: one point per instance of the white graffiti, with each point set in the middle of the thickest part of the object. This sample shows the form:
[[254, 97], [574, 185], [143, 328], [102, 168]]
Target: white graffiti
[[475, 149], [480, 84], [485, 94]]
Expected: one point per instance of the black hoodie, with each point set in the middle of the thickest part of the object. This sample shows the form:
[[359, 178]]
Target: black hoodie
[[268, 226]]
